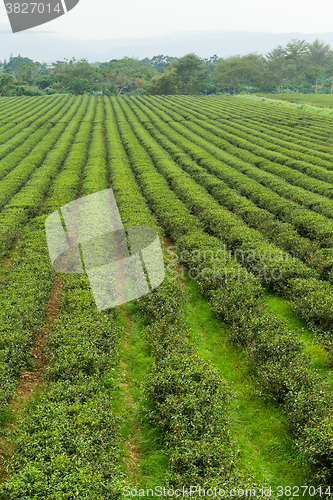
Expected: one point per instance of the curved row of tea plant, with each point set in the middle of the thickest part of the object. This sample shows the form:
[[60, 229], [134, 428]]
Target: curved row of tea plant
[[7, 102], [261, 158], [304, 123], [294, 121], [263, 145], [280, 233], [216, 219], [12, 155], [19, 107], [251, 182], [321, 100], [19, 175], [294, 124], [68, 182], [27, 282], [235, 295], [20, 308], [74, 408], [14, 133], [25, 204], [249, 246], [183, 394], [260, 136], [239, 115], [68, 441], [95, 174]]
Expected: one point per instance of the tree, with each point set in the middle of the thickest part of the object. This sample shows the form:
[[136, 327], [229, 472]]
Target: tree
[[229, 72], [44, 81], [7, 82], [276, 60], [165, 84], [73, 76], [15, 62], [27, 73], [295, 52], [161, 62], [251, 65], [318, 57], [192, 73], [220, 74], [265, 79], [126, 75]]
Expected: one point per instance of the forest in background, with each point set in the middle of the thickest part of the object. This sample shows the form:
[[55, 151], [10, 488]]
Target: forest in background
[[299, 67]]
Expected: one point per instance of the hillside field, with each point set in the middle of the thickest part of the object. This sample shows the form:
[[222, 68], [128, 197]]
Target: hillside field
[[222, 376]]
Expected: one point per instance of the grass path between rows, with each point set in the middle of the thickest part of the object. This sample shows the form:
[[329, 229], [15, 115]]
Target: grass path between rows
[[258, 426], [319, 355], [145, 459], [305, 106]]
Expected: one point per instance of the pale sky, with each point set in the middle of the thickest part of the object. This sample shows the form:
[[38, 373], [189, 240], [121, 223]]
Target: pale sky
[[100, 19]]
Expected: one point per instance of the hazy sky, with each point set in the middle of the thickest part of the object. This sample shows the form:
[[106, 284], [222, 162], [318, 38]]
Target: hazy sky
[[140, 18]]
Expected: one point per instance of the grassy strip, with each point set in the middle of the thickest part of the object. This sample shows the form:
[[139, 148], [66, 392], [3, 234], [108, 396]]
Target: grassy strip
[[258, 426], [144, 456], [322, 361], [305, 106]]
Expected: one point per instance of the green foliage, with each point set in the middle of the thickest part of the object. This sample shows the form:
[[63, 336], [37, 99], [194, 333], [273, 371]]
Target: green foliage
[[192, 73], [165, 84], [282, 371], [68, 444], [184, 396], [214, 173], [76, 77], [7, 82]]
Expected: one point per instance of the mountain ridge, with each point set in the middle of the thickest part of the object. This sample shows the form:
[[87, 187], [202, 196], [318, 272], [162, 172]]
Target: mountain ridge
[[48, 46]]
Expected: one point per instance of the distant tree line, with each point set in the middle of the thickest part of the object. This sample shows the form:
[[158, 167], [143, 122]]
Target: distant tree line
[[297, 67]]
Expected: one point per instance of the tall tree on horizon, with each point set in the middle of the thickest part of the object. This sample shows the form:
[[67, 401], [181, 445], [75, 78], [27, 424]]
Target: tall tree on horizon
[[276, 60], [252, 67], [318, 57], [295, 52], [229, 72], [192, 72]]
